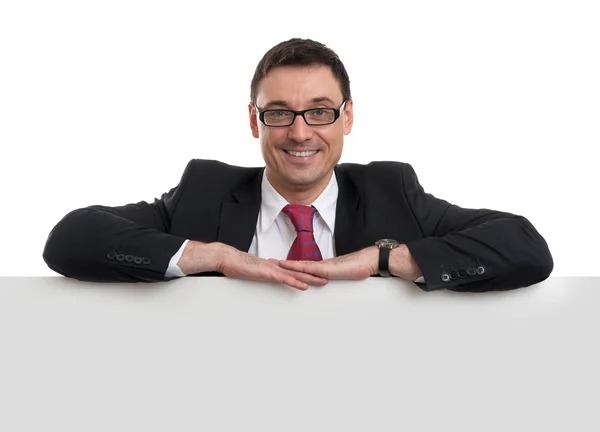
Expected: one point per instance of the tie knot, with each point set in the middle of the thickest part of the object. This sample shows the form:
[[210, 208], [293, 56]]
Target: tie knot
[[301, 216]]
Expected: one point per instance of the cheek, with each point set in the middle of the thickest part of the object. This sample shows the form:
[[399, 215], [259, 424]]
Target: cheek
[[272, 138], [268, 144], [334, 139]]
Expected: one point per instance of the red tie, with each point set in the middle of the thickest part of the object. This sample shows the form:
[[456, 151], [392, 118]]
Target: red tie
[[304, 247]]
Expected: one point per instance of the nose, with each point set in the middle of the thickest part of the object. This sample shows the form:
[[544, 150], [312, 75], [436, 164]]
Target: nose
[[299, 131]]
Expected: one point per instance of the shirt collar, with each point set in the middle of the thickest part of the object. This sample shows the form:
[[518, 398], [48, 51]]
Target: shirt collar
[[272, 203]]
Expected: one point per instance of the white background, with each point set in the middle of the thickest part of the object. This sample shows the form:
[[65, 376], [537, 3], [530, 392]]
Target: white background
[[495, 104]]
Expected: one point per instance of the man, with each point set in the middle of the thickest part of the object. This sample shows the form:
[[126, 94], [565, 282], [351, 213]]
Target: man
[[303, 219]]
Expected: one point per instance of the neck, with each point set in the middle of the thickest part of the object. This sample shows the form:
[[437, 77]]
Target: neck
[[300, 195]]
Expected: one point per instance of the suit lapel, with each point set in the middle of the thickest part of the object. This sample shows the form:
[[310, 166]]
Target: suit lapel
[[239, 218], [349, 216]]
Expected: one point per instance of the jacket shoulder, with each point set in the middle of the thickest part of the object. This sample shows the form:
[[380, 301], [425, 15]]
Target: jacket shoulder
[[211, 165], [376, 169], [214, 170]]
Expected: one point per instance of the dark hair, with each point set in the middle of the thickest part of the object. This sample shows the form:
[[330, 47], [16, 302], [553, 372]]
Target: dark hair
[[300, 52]]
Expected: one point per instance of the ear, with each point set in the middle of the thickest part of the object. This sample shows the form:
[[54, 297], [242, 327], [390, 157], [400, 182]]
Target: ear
[[253, 119], [348, 116]]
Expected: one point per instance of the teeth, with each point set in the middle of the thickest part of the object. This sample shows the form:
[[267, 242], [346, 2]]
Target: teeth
[[302, 154]]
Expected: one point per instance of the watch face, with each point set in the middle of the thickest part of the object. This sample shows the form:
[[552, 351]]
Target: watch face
[[389, 243]]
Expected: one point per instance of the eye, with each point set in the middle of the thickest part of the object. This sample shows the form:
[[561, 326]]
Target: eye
[[320, 112], [278, 117]]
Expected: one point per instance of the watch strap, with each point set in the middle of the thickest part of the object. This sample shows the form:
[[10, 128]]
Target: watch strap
[[384, 261]]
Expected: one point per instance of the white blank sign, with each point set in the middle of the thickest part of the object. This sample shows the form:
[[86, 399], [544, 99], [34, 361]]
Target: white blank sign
[[220, 354]]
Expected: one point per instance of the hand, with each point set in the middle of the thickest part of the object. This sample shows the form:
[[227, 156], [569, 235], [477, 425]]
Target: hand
[[241, 265], [355, 266]]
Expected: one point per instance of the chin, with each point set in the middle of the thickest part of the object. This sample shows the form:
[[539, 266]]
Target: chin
[[303, 180]]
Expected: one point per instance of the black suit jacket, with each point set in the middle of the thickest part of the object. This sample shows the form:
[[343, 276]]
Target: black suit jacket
[[456, 248]]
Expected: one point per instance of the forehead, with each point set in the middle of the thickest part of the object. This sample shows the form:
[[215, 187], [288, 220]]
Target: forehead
[[298, 84]]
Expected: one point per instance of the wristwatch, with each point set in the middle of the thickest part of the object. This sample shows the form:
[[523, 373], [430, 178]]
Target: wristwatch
[[385, 246]]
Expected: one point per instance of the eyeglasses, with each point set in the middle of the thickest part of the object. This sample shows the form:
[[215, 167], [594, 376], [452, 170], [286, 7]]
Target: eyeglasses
[[312, 117]]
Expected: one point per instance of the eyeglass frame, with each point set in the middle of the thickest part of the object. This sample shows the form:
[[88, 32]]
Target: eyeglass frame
[[337, 112]]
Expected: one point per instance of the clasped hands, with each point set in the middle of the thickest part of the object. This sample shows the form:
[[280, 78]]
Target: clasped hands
[[302, 274]]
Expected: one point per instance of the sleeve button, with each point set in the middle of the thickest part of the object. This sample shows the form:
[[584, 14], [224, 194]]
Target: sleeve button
[[146, 260], [128, 258], [480, 270], [445, 277], [471, 271], [111, 255], [120, 257], [137, 260]]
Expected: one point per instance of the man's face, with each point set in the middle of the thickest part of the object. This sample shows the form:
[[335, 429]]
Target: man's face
[[299, 88]]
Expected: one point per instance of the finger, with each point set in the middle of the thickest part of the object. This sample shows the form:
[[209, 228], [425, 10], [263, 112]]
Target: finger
[[288, 279], [310, 267], [267, 272], [306, 277]]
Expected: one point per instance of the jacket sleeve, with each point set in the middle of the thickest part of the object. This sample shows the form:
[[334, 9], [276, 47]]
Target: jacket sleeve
[[129, 243], [473, 250]]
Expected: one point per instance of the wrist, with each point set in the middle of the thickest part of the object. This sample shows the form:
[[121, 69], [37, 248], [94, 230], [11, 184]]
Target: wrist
[[373, 258], [199, 257], [402, 263]]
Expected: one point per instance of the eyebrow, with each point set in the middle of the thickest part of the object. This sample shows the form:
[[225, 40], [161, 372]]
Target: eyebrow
[[284, 104]]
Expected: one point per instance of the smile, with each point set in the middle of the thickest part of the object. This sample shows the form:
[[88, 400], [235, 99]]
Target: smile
[[301, 154]]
